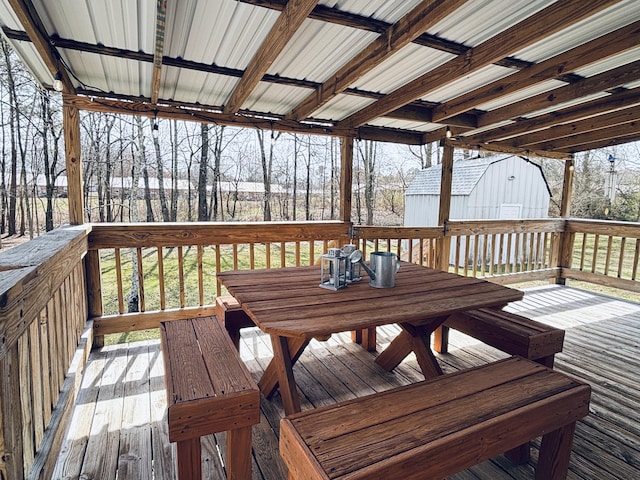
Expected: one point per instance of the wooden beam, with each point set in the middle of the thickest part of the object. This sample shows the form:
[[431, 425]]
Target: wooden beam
[[598, 106], [347, 19], [579, 139], [198, 113], [161, 17], [71, 126], [497, 147], [292, 16], [567, 188], [598, 83], [605, 143], [596, 50], [558, 16], [395, 37], [444, 207], [346, 178], [619, 117], [28, 16]]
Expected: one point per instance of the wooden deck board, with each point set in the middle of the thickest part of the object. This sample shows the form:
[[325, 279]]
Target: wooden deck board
[[602, 346]]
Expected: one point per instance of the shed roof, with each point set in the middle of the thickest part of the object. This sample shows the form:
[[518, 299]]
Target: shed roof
[[550, 76], [466, 175]]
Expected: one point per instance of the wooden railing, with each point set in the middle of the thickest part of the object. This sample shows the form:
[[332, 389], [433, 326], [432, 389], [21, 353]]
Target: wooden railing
[[45, 342], [505, 251], [63, 288], [605, 253]]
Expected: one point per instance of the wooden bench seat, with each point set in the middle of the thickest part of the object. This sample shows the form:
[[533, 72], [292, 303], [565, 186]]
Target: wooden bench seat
[[509, 332], [435, 428], [209, 390], [233, 317]]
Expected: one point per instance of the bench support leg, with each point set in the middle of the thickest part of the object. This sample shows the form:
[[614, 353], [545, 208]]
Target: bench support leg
[[555, 452], [519, 455], [284, 360], [239, 453], [365, 337], [189, 459], [441, 339]]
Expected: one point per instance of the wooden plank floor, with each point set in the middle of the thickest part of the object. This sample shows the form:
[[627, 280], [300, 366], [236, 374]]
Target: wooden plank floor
[[118, 427]]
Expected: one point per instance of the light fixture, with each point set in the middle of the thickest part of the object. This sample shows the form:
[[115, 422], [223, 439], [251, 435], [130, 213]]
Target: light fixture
[[447, 133], [57, 82], [611, 158]]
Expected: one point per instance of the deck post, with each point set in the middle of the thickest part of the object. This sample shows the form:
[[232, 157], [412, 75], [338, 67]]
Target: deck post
[[71, 126], [346, 178], [443, 244], [563, 248], [94, 290]]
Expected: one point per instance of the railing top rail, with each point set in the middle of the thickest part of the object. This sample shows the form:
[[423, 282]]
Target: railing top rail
[[604, 227], [482, 227], [29, 273], [116, 235]]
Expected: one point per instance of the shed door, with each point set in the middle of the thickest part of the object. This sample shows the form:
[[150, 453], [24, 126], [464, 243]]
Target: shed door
[[510, 211]]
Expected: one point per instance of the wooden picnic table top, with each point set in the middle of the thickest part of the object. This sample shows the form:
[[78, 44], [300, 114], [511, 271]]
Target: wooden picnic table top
[[289, 302]]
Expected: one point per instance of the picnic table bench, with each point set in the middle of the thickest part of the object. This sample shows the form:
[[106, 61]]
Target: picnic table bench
[[506, 331], [209, 390], [438, 427]]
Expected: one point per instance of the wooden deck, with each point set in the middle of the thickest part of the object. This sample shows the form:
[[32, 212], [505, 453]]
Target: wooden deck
[[118, 429]]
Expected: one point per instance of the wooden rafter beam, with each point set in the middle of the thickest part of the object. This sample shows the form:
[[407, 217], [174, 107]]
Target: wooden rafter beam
[[611, 119], [369, 24], [418, 111], [398, 35], [556, 17], [32, 23], [599, 106], [292, 16], [158, 51], [588, 53], [495, 147], [602, 82], [198, 113], [578, 140], [604, 143]]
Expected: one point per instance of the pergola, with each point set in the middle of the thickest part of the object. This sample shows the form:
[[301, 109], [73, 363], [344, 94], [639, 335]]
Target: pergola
[[536, 77]]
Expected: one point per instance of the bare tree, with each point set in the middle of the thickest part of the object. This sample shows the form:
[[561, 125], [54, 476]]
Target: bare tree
[[368, 154], [202, 175], [267, 168], [160, 175]]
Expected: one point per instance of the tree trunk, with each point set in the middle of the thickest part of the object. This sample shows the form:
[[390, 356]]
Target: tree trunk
[[160, 174], [267, 164], [203, 215], [295, 175], [13, 180]]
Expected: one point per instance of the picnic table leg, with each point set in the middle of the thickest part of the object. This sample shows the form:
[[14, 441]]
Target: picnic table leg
[[421, 346], [284, 365], [441, 339], [269, 381], [399, 348]]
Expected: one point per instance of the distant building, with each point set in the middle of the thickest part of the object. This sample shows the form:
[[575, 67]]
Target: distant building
[[496, 187]]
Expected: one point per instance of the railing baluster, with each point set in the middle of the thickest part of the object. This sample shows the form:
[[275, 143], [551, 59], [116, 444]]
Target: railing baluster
[[141, 299], [476, 248], [181, 274], [119, 281], [283, 255], [634, 270], [508, 267], [163, 304], [595, 253], [252, 256], [235, 256], [583, 251], [608, 256], [456, 263], [297, 254], [200, 276], [623, 242]]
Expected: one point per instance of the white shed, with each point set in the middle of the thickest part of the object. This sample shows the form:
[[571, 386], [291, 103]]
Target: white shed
[[495, 187]]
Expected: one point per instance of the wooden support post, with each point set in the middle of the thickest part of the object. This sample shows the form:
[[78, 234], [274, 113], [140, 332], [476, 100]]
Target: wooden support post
[[346, 178], [71, 126], [563, 247], [443, 245], [94, 290], [442, 252]]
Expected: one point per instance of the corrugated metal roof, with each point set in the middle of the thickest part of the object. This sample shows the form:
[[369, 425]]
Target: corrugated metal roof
[[226, 34]]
